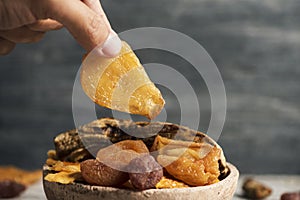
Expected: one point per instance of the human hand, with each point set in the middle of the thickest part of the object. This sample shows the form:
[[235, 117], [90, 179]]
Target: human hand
[[25, 21]]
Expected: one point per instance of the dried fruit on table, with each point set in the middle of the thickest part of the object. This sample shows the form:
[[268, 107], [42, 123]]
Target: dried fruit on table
[[167, 183], [290, 196], [97, 173], [144, 172], [121, 83], [120, 154], [20, 176], [255, 190], [195, 164], [10, 189]]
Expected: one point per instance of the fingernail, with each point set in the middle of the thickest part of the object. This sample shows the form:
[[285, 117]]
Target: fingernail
[[111, 47]]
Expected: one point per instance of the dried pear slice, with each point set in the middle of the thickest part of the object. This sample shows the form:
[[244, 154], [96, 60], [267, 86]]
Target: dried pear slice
[[121, 83]]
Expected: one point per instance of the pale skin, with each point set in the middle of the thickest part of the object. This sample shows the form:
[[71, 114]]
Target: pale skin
[[26, 21]]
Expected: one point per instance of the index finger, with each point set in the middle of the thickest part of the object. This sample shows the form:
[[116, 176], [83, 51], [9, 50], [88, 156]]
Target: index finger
[[86, 26]]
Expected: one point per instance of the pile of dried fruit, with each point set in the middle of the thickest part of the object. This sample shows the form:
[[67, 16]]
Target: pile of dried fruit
[[157, 162]]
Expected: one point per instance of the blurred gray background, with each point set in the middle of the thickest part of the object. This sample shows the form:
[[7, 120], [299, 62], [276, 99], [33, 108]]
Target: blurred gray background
[[255, 44]]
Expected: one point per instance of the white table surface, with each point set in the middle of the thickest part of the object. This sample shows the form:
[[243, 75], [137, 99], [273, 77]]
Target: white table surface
[[278, 183]]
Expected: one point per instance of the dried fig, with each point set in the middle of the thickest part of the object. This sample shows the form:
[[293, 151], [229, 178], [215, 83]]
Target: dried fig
[[145, 172], [97, 173]]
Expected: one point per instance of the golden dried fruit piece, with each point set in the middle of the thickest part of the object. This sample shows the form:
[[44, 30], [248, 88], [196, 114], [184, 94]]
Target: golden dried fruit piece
[[191, 169], [165, 145], [121, 83], [20, 176], [60, 166], [167, 183], [64, 177], [97, 173], [67, 172], [195, 164], [52, 154], [50, 161], [120, 154]]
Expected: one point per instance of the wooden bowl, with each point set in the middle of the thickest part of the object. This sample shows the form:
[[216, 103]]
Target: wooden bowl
[[222, 190]]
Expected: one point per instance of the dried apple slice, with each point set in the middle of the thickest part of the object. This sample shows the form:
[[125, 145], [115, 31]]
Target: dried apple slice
[[121, 83]]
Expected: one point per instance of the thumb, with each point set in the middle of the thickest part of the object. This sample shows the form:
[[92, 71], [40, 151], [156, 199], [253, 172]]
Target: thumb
[[89, 28]]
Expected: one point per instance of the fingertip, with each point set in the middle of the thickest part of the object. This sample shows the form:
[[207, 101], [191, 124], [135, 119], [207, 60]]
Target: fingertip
[[111, 47]]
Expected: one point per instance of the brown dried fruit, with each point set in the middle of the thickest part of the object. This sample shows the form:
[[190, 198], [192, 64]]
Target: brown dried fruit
[[120, 154], [255, 190], [96, 173], [166, 183], [290, 196], [144, 172], [10, 189]]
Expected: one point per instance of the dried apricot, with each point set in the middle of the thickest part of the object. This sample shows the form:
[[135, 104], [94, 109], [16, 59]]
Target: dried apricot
[[192, 170], [194, 163], [120, 154]]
